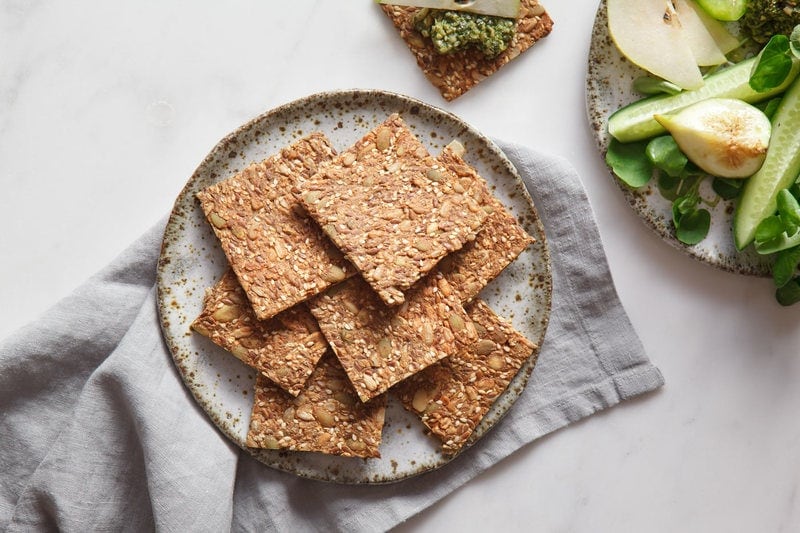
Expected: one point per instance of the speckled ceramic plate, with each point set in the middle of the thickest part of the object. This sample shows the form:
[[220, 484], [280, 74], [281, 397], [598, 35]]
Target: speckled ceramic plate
[[608, 88], [191, 260]]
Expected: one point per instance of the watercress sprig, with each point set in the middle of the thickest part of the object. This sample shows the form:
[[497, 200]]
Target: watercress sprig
[[784, 273], [775, 61], [780, 231], [780, 234], [691, 222], [789, 294], [629, 162], [679, 181], [665, 155]]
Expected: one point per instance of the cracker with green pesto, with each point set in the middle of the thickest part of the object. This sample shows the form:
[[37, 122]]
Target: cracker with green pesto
[[456, 72]]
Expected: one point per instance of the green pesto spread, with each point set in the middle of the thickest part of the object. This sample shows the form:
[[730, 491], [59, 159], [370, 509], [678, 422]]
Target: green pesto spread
[[765, 18], [451, 31]]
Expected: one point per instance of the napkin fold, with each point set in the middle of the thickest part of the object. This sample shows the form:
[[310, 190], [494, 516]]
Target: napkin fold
[[98, 432]]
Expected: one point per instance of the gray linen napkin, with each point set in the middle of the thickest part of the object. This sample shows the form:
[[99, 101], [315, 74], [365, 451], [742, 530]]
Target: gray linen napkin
[[97, 431]]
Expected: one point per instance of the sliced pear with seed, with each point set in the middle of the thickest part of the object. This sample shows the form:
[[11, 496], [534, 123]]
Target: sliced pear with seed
[[702, 43], [725, 40], [723, 136], [649, 33]]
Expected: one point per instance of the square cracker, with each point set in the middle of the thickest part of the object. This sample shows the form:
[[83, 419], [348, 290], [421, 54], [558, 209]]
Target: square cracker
[[500, 240], [452, 396], [279, 255], [380, 345], [391, 208], [326, 417], [285, 348], [456, 73]]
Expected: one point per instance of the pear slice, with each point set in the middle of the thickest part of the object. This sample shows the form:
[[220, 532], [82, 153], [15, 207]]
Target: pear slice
[[723, 136], [650, 35], [725, 40], [704, 47], [497, 8]]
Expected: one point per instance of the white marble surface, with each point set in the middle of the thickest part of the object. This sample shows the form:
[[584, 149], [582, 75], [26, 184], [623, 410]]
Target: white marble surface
[[106, 109]]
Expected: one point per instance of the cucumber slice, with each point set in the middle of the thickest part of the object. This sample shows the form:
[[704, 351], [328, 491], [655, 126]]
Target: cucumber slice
[[727, 10], [635, 122], [779, 171]]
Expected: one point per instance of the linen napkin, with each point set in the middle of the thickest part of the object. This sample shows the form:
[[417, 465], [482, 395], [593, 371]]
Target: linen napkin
[[98, 432]]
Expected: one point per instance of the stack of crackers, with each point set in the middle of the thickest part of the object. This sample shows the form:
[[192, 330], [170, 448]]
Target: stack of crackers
[[356, 275], [456, 73]]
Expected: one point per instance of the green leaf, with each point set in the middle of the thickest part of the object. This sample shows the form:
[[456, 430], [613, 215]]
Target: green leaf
[[690, 183], [686, 204], [693, 226], [781, 242], [727, 189], [769, 228], [664, 154], [773, 65], [693, 170], [649, 85], [677, 215], [785, 266], [668, 186], [789, 294], [770, 106], [789, 211], [629, 162]]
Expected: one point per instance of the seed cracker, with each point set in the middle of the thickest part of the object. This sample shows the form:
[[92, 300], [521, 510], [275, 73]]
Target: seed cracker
[[456, 73], [500, 240], [279, 255], [380, 345], [326, 417], [452, 396], [391, 208], [285, 348]]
